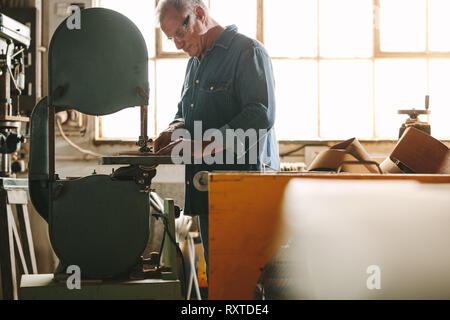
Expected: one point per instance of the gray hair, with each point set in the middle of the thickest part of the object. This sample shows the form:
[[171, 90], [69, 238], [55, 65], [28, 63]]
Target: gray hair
[[179, 5]]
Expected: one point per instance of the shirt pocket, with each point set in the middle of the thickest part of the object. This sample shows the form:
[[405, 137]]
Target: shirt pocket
[[217, 105], [216, 86]]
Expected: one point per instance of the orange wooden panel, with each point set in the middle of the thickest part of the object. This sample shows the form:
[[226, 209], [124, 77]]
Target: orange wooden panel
[[246, 226]]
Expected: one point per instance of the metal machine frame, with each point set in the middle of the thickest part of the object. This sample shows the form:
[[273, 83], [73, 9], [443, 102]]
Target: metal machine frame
[[100, 222]]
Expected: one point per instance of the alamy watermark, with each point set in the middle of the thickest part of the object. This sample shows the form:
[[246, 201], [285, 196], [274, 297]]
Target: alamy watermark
[[374, 280], [73, 22], [242, 147], [73, 282]]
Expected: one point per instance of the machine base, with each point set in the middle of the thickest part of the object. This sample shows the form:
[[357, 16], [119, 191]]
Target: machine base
[[43, 287]]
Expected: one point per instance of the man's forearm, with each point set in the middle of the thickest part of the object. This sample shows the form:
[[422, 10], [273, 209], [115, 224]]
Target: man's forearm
[[177, 124]]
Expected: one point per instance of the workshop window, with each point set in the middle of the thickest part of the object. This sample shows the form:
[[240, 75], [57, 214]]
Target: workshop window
[[342, 68], [142, 13]]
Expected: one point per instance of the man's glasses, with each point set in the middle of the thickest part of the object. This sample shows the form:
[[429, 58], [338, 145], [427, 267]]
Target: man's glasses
[[181, 32]]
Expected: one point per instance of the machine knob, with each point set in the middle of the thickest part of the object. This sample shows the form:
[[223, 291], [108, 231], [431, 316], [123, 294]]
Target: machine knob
[[18, 166], [177, 212], [201, 181]]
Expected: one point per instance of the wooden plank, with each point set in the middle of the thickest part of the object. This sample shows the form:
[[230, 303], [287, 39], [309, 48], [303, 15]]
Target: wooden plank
[[7, 259], [12, 256], [13, 226], [14, 118], [17, 197], [27, 236], [246, 226]]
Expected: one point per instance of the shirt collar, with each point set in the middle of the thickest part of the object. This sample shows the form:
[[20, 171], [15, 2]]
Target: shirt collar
[[225, 38]]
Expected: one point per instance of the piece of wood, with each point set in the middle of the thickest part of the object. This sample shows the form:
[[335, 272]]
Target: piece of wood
[[14, 118], [17, 197], [422, 153], [12, 256], [246, 226], [25, 228], [7, 258], [17, 240], [13, 235]]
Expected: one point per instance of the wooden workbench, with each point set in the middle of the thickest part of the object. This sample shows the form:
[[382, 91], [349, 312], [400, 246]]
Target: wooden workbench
[[246, 227]]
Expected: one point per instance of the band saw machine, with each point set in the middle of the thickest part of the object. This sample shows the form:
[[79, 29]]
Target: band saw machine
[[99, 223]]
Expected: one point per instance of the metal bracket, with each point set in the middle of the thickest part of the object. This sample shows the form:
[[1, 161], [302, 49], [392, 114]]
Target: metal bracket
[[141, 175]]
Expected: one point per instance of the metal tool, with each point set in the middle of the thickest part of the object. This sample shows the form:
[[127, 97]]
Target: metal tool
[[414, 121], [14, 44], [14, 41]]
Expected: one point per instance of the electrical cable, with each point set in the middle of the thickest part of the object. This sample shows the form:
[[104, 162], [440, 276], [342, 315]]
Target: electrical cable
[[161, 249], [193, 277], [72, 144], [18, 52], [157, 205], [177, 248], [157, 202]]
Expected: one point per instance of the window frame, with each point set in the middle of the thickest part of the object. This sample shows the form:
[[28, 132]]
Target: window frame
[[378, 54]]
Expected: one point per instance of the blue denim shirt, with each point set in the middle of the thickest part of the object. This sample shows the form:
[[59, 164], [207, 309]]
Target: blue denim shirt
[[231, 87]]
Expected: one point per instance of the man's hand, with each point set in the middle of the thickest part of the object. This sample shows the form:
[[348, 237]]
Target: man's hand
[[165, 138], [167, 150], [208, 148]]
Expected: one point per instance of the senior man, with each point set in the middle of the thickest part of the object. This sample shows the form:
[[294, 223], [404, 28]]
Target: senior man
[[228, 86]]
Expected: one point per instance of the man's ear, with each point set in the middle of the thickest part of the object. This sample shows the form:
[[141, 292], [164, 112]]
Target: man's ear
[[200, 13]]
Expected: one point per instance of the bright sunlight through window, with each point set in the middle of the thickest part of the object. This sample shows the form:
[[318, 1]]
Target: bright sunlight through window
[[342, 68]]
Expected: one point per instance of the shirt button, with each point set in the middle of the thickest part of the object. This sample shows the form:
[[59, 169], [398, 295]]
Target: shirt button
[[188, 183], [192, 105], [197, 81], [212, 88]]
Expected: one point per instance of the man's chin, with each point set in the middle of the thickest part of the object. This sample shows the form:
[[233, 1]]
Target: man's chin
[[192, 52]]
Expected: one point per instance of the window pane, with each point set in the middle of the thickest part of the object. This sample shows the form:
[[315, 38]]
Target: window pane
[[122, 125], [440, 98], [439, 25], [293, 32], [125, 124], [242, 13], [346, 28], [403, 25], [169, 77], [142, 13], [400, 84], [296, 98], [346, 99]]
